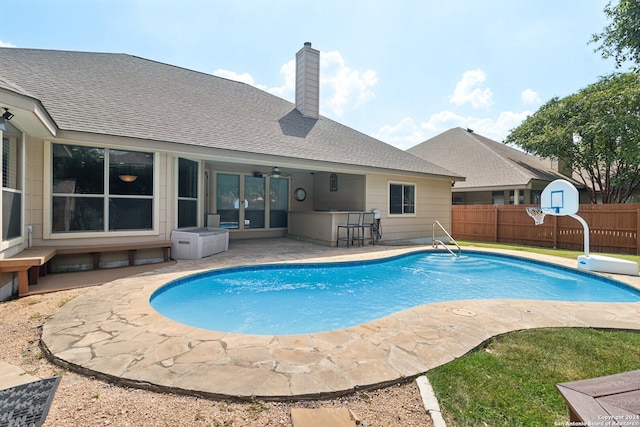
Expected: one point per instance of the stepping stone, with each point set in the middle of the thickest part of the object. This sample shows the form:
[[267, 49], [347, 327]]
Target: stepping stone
[[321, 417], [11, 376]]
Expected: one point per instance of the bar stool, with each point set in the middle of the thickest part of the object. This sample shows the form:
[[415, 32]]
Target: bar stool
[[367, 224], [352, 227]]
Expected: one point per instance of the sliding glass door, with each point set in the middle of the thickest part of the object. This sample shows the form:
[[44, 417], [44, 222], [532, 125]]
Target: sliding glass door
[[254, 211], [278, 202], [228, 200], [242, 202]]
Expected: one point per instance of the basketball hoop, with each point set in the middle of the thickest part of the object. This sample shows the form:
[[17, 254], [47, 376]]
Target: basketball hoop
[[538, 214]]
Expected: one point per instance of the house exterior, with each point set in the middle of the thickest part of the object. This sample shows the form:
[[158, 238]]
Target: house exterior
[[495, 173], [109, 148]]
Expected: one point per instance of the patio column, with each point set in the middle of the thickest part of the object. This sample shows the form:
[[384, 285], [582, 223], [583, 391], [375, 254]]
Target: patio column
[[516, 196]]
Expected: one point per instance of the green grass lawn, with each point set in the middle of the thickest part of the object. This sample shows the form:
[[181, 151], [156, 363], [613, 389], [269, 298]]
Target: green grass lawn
[[547, 251], [511, 381]]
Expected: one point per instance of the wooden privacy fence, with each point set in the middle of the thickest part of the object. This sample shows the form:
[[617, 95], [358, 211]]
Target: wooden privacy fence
[[613, 228]]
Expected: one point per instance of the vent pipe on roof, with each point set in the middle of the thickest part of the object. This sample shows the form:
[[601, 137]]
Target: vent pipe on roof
[[308, 81]]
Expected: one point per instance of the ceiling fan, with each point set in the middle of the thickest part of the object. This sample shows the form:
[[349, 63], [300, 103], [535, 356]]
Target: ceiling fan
[[275, 173]]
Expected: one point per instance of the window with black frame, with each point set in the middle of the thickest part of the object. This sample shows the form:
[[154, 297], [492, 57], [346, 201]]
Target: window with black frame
[[402, 199], [11, 183], [101, 190]]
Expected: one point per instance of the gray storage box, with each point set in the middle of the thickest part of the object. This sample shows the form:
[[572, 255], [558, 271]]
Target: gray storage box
[[196, 243]]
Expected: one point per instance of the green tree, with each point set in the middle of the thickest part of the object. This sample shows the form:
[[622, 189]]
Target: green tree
[[595, 133], [621, 38]]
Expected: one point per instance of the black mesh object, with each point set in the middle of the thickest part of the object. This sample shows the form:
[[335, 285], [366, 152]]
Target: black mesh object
[[27, 404]]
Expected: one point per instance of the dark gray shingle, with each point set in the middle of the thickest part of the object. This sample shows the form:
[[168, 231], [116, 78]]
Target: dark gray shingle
[[484, 162], [124, 95]]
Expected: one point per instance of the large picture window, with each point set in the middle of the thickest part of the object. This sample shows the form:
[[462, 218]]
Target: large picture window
[[99, 189], [402, 199], [11, 183]]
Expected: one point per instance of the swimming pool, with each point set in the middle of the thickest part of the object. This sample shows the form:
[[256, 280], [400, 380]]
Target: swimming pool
[[278, 299]]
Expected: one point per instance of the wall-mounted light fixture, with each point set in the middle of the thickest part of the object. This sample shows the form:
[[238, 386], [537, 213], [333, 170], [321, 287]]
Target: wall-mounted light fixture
[[7, 115]]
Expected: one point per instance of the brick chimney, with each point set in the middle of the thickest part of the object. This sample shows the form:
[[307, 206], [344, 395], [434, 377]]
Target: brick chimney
[[308, 81]]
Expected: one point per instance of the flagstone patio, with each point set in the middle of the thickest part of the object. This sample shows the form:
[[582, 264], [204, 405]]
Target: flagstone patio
[[113, 333]]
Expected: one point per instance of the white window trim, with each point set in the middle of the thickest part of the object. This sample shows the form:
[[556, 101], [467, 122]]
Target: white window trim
[[201, 190], [415, 200], [5, 244], [47, 234]]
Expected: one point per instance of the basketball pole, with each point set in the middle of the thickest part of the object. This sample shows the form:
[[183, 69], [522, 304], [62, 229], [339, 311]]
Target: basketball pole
[[586, 232]]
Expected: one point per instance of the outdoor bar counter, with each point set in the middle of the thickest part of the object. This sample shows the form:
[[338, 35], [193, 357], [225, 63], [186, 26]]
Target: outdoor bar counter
[[316, 226]]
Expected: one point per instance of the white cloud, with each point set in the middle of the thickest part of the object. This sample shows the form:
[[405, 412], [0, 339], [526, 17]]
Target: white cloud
[[287, 90], [408, 132], [530, 97], [341, 87], [348, 89], [405, 134], [5, 44], [466, 90], [232, 75]]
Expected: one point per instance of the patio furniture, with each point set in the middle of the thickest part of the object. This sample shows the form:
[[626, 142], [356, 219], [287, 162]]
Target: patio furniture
[[352, 229], [34, 262], [613, 398], [196, 243], [367, 224]]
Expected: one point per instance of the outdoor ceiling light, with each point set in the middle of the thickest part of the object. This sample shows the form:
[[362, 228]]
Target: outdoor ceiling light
[[7, 115]]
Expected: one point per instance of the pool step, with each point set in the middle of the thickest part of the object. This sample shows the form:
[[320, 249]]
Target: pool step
[[321, 417]]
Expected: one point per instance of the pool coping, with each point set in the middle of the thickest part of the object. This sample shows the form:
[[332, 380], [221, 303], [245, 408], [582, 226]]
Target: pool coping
[[112, 332]]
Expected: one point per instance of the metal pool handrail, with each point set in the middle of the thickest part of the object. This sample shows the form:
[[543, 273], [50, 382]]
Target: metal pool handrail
[[435, 242]]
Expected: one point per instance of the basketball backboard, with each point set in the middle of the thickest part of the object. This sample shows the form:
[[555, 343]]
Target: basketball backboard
[[561, 196]]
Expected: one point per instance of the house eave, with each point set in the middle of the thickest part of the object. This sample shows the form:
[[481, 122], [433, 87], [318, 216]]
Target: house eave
[[30, 114], [241, 157]]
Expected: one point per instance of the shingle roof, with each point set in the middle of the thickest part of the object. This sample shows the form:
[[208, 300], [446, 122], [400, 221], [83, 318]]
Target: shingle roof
[[485, 163], [124, 95]]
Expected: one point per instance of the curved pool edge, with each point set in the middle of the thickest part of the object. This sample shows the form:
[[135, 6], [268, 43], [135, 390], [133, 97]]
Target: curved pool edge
[[112, 332]]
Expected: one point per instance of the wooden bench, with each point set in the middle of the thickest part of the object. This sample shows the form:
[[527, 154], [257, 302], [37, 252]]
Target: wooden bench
[[32, 262], [27, 264], [612, 400], [131, 248]]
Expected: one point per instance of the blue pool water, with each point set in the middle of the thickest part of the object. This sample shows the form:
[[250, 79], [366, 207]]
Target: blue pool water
[[306, 298]]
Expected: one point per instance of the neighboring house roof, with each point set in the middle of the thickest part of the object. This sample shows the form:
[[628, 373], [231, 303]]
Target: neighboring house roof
[[128, 96], [484, 162]]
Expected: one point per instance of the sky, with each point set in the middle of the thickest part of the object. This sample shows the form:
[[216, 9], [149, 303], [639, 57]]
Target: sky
[[402, 71]]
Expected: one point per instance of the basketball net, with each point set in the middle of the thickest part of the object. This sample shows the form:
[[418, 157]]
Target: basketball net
[[538, 214]]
